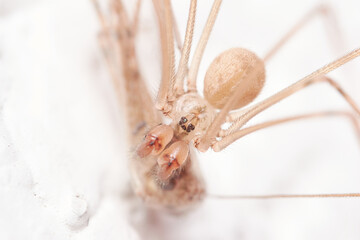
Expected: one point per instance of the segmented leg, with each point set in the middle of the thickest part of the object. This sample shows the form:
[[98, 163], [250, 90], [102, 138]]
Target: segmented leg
[[163, 12], [236, 122], [334, 33], [117, 37], [227, 139], [331, 22], [180, 75], [276, 196], [209, 137], [194, 67], [107, 44]]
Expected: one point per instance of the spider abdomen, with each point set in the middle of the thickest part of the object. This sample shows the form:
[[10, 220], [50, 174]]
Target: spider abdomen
[[227, 71]]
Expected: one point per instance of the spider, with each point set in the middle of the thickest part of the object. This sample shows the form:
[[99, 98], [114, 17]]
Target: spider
[[164, 169]]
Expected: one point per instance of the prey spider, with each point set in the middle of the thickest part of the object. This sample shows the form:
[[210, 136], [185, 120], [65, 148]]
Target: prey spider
[[164, 169]]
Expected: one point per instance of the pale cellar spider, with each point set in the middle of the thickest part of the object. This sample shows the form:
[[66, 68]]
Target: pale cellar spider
[[165, 132]]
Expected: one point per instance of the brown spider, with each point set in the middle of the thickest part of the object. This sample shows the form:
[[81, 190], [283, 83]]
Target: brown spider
[[164, 170]]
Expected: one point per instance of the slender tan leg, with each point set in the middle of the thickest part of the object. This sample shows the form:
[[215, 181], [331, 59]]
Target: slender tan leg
[[194, 67], [180, 75], [236, 121], [209, 137], [334, 33], [232, 116], [118, 45], [163, 10], [276, 196], [107, 45], [228, 139], [176, 30], [100, 14], [218, 146]]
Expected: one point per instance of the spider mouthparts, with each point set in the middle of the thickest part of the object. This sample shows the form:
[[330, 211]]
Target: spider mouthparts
[[155, 141], [171, 159]]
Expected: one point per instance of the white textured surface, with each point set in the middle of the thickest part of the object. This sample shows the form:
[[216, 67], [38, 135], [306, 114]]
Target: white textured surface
[[63, 155]]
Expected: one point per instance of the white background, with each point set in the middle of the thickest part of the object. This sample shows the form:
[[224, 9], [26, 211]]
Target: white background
[[63, 153]]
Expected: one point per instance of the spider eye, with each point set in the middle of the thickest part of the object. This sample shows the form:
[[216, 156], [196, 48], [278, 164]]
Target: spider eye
[[183, 120], [155, 141], [172, 158], [187, 128], [190, 127]]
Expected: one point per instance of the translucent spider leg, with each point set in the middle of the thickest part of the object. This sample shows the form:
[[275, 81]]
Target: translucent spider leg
[[351, 116], [275, 196], [106, 43], [110, 47], [333, 30], [228, 139], [209, 137], [194, 67], [331, 24], [128, 82], [236, 123], [165, 20], [181, 72]]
